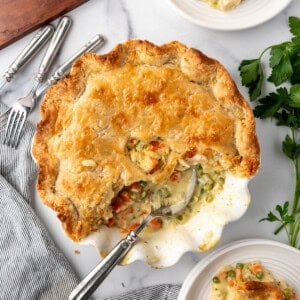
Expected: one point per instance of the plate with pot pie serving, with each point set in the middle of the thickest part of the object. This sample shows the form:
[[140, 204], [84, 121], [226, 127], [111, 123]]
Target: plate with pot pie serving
[[229, 14], [245, 269], [119, 136]]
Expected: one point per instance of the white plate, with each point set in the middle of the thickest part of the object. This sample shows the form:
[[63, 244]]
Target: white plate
[[248, 14], [282, 260]]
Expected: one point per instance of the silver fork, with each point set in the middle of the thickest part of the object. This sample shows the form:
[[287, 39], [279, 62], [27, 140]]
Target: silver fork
[[20, 110], [60, 72]]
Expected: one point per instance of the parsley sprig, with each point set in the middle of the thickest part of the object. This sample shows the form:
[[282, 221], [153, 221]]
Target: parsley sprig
[[282, 105]]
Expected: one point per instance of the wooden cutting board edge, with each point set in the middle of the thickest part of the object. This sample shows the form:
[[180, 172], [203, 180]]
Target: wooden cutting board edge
[[39, 24]]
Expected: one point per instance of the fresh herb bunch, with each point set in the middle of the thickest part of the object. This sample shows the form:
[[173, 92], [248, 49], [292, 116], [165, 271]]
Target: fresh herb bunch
[[283, 105]]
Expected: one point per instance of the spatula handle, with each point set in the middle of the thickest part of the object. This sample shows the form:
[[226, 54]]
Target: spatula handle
[[90, 283]]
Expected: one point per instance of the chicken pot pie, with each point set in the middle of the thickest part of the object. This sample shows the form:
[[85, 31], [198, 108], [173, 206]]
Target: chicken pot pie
[[250, 280], [121, 131]]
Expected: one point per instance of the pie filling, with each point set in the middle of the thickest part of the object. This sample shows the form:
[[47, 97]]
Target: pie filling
[[133, 203], [149, 156], [249, 281]]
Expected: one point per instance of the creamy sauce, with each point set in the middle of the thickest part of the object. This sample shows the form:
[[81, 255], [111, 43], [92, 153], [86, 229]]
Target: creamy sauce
[[134, 203]]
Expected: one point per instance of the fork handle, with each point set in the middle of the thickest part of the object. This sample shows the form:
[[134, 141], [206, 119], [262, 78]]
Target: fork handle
[[91, 45], [90, 283], [63, 69], [40, 38], [55, 43]]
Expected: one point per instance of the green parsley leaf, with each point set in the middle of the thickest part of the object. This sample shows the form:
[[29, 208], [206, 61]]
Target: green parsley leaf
[[283, 210], [287, 118], [294, 24], [284, 106], [290, 148], [271, 104], [280, 62], [295, 96], [252, 76], [295, 78], [271, 218]]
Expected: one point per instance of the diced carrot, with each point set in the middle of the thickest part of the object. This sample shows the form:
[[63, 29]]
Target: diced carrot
[[176, 176], [135, 187], [125, 195], [238, 272], [132, 142], [155, 165], [257, 268], [155, 223], [144, 213], [111, 222], [154, 145], [190, 153], [133, 226], [126, 211], [222, 275], [231, 283], [118, 204]]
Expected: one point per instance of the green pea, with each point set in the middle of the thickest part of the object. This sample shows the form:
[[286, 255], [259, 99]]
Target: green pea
[[221, 180], [239, 266], [259, 275], [179, 217], [164, 192], [209, 198], [231, 273], [143, 183], [208, 186], [198, 167], [216, 280]]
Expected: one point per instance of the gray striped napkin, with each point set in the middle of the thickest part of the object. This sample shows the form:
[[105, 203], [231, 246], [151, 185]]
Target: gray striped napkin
[[31, 266], [156, 292]]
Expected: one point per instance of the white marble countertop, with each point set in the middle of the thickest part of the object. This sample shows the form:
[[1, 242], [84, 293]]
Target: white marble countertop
[[158, 22]]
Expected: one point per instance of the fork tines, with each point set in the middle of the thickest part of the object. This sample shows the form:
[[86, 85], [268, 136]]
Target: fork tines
[[14, 126]]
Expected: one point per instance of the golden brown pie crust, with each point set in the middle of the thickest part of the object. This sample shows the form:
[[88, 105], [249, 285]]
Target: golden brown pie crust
[[138, 90]]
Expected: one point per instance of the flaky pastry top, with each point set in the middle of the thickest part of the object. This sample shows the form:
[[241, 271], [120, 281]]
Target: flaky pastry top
[[142, 91]]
